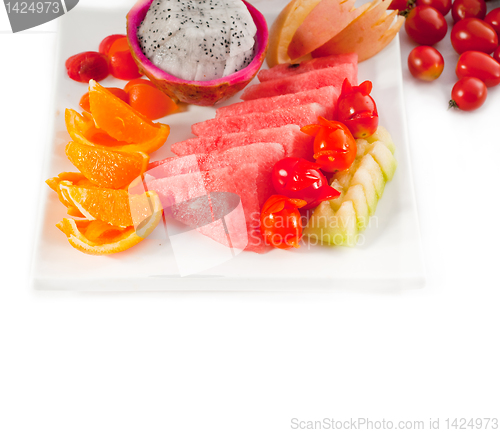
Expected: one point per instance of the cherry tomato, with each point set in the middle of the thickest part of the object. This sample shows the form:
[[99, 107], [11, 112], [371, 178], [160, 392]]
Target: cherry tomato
[[150, 101], [89, 65], [473, 34], [496, 54], [425, 25], [137, 81], [357, 110], [299, 178], [493, 19], [425, 63], [479, 65], [121, 62], [280, 223], [334, 146], [106, 43], [468, 94], [468, 9], [443, 6], [399, 5], [120, 93]]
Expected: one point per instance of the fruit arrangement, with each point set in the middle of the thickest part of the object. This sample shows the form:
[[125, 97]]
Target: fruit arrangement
[[302, 155], [474, 36]]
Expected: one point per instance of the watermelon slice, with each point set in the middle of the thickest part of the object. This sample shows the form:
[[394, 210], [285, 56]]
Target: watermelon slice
[[200, 200], [287, 69], [326, 96], [296, 143], [265, 155], [333, 76], [300, 115]]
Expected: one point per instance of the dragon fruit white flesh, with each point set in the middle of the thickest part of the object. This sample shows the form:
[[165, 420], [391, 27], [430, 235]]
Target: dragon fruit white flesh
[[199, 50], [198, 40]]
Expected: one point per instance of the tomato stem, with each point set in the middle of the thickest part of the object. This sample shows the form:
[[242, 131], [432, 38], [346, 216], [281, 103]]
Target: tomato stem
[[452, 104]]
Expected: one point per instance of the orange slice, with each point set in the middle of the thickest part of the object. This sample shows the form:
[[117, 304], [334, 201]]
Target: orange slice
[[75, 178], [98, 238], [114, 206], [117, 118], [82, 129], [107, 168]]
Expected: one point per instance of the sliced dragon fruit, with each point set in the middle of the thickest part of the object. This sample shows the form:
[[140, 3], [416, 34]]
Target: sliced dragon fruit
[[197, 51]]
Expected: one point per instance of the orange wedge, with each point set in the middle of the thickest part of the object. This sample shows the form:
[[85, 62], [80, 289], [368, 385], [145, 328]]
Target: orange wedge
[[105, 167], [114, 206], [117, 118], [97, 237], [75, 178], [82, 129]]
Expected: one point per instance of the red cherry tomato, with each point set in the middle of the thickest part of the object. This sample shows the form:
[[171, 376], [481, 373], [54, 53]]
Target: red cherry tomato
[[425, 63], [120, 93], [479, 65], [137, 81], [468, 9], [425, 25], [334, 146], [399, 5], [357, 110], [493, 19], [150, 101], [443, 6], [280, 223], [473, 34], [299, 178], [89, 65], [121, 62], [496, 54], [468, 94], [106, 43]]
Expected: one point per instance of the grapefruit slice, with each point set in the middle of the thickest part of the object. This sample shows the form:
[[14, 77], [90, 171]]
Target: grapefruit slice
[[283, 29]]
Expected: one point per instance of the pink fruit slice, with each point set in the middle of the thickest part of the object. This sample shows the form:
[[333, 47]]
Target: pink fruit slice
[[296, 143], [265, 155], [287, 69], [301, 115], [326, 96], [326, 20], [366, 35], [333, 76]]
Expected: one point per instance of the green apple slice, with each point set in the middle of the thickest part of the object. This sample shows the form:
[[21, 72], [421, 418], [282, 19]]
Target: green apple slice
[[362, 177], [381, 134], [356, 194], [375, 172], [385, 159]]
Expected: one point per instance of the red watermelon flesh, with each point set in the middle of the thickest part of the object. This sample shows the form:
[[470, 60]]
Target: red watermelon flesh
[[333, 76], [193, 200], [287, 69], [300, 115], [296, 143], [241, 180], [326, 96], [265, 155]]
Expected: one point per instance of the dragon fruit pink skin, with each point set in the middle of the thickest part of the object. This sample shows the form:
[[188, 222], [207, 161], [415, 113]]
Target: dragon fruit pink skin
[[205, 93]]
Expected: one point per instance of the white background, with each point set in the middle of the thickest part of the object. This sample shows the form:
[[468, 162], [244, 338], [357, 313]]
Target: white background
[[250, 362]]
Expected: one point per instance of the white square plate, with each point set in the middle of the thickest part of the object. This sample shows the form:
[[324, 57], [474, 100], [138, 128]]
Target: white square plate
[[388, 257]]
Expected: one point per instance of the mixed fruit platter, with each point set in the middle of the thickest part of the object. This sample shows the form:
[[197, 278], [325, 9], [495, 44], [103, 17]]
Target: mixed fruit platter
[[299, 155]]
